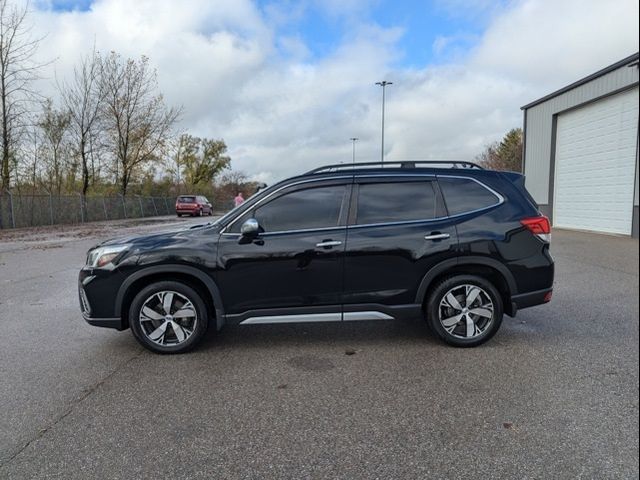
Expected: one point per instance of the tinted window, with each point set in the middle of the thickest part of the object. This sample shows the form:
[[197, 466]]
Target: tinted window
[[300, 210], [186, 199], [395, 202], [464, 195]]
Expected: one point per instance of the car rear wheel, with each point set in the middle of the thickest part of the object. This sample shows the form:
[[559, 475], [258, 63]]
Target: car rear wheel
[[168, 317], [465, 310]]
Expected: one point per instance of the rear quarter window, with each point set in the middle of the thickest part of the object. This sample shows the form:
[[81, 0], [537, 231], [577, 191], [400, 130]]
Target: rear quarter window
[[462, 195]]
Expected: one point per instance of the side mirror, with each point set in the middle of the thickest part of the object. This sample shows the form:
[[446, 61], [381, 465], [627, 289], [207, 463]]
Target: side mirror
[[250, 228]]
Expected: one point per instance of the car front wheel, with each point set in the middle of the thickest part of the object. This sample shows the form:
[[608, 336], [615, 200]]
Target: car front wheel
[[465, 310], [168, 317]]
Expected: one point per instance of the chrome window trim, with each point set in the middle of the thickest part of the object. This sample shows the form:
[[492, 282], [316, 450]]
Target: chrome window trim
[[262, 200], [402, 222], [302, 230], [356, 177]]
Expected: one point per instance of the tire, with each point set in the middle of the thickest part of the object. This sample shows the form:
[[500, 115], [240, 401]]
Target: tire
[[476, 323], [179, 215], [199, 214], [160, 332]]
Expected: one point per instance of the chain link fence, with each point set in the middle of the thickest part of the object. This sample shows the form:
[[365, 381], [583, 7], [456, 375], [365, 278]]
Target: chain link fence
[[19, 211]]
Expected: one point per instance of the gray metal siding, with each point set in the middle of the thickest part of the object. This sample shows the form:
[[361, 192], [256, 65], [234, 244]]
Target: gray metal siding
[[635, 195], [539, 129]]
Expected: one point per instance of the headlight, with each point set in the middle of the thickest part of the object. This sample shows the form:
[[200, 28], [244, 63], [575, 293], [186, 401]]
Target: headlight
[[101, 256]]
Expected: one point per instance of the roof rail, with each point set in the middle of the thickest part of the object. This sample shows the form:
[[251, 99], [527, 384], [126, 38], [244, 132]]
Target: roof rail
[[395, 164]]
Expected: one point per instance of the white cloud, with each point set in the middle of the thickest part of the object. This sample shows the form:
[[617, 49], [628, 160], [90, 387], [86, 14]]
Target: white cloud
[[283, 113], [555, 42]]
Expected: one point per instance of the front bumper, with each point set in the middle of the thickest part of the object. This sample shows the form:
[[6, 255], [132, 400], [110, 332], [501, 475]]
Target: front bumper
[[94, 301], [104, 322]]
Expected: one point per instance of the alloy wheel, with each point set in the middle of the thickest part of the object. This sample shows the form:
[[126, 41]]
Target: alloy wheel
[[168, 318], [466, 311]]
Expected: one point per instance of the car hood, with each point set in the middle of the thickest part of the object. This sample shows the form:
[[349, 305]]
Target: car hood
[[160, 238]]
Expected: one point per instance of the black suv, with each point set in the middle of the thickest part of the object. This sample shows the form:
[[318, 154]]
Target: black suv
[[452, 242]]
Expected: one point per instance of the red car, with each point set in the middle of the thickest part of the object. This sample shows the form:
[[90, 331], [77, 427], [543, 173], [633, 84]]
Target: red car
[[194, 205]]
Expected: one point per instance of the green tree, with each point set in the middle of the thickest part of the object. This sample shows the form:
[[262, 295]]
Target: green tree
[[200, 160], [504, 155]]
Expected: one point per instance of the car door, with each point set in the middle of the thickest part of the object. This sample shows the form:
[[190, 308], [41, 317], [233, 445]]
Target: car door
[[295, 264], [397, 230]]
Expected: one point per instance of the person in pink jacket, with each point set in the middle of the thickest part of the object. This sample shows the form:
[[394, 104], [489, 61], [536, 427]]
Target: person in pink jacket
[[239, 199]]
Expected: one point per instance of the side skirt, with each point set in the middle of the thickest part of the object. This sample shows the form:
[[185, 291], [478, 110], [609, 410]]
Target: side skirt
[[330, 313]]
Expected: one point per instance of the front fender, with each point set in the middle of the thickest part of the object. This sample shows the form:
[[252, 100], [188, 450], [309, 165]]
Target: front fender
[[203, 277]]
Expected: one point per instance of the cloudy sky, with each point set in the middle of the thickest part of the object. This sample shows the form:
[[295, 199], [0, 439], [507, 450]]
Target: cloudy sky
[[287, 83]]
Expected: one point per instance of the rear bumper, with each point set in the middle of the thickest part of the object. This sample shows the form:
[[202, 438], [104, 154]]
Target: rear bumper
[[530, 299]]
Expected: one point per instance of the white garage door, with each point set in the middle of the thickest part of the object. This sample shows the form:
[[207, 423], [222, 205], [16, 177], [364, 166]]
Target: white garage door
[[595, 165]]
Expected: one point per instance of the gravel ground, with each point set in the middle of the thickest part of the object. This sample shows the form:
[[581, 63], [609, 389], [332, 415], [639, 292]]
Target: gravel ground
[[553, 395]]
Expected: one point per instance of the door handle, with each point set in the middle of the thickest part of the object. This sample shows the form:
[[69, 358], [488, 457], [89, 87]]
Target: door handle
[[437, 236], [328, 244]]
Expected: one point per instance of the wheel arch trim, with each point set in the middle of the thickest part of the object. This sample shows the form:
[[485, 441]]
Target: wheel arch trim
[[209, 283], [445, 265]]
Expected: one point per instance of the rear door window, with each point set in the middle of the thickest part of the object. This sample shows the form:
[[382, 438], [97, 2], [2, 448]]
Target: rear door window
[[187, 200], [395, 202], [462, 195]]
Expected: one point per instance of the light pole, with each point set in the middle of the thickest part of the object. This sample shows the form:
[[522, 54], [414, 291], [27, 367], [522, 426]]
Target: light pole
[[353, 141], [383, 84]]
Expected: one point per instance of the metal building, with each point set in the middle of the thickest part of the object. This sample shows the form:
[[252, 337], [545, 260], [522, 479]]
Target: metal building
[[581, 151]]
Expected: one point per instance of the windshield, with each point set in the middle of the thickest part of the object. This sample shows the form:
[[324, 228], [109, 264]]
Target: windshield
[[186, 199]]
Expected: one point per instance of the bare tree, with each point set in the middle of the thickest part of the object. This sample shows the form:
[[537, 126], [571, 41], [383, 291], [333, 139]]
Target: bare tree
[[82, 97], [17, 71], [30, 165], [136, 118], [54, 125]]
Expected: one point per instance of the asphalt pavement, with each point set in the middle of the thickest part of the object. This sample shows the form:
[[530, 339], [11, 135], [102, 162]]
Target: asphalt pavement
[[553, 395]]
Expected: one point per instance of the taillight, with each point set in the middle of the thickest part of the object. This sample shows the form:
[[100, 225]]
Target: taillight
[[539, 226]]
